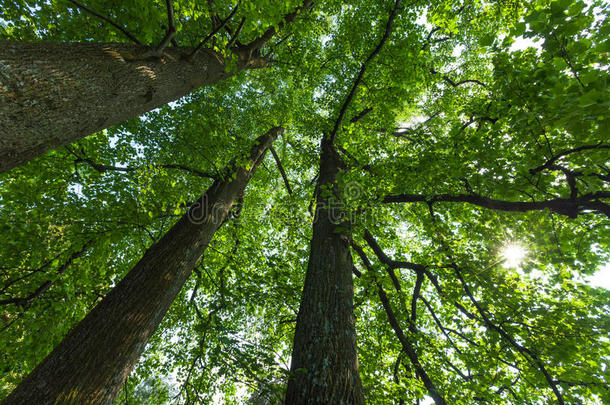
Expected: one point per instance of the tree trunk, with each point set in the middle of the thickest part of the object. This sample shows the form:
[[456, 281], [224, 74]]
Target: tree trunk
[[52, 94], [90, 365], [324, 367]]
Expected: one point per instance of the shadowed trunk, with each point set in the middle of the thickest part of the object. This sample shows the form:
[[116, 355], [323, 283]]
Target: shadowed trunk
[[90, 365], [324, 367], [52, 94]]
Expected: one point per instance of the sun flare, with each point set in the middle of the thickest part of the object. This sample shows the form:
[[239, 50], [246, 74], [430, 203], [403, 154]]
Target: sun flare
[[513, 254]]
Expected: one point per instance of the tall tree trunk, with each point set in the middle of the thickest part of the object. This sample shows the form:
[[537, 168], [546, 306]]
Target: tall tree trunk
[[52, 94], [324, 367], [94, 359]]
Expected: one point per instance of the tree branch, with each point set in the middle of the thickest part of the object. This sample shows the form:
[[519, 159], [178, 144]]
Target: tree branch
[[360, 115], [564, 206], [442, 328], [214, 31], [281, 169], [549, 163], [382, 257], [350, 96], [30, 273], [23, 301], [259, 42], [522, 349], [456, 84], [236, 34], [108, 20], [392, 264], [406, 345], [105, 168], [429, 38], [171, 29], [416, 292]]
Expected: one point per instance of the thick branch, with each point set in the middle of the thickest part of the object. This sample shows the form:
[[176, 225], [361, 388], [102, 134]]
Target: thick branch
[[416, 292], [259, 42], [442, 328], [281, 169], [236, 34], [564, 206], [429, 38], [421, 271], [171, 29], [360, 115], [408, 348], [382, 257], [392, 264]]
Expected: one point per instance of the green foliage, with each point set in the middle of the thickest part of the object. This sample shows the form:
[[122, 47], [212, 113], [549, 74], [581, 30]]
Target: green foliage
[[465, 109]]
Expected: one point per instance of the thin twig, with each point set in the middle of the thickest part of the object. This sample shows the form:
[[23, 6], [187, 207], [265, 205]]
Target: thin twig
[[23, 301], [561, 154], [108, 20], [350, 96], [106, 168], [214, 31]]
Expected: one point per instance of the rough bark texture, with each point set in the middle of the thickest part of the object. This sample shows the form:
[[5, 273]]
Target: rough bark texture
[[324, 367], [90, 365], [52, 94]]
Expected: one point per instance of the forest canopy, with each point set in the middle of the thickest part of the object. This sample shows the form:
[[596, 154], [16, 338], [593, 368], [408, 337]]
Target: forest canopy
[[406, 201]]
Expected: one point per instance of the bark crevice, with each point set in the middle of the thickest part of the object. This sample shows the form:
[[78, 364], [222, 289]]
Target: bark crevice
[[324, 368]]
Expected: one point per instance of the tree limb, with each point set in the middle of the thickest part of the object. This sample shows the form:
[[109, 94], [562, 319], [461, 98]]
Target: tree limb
[[350, 96], [405, 343], [564, 206], [108, 20], [429, 38], [549, 163], [522, 349], [392, 264], [106, 168], [259, 42], [416, 292], [23, 301], [236, 34], [281, 169], [442, 328], [456, 84], [171, 29], [214, 31], [360, 115]]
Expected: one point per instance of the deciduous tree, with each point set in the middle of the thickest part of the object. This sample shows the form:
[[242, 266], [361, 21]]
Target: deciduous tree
[[432, 225]]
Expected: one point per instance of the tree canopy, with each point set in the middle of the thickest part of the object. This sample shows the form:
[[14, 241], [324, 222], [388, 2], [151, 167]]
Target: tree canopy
[[475, 177]]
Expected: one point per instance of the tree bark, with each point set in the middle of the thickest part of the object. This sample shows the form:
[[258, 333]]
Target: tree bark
[[324, 367], [91, 363], [52, 94]]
